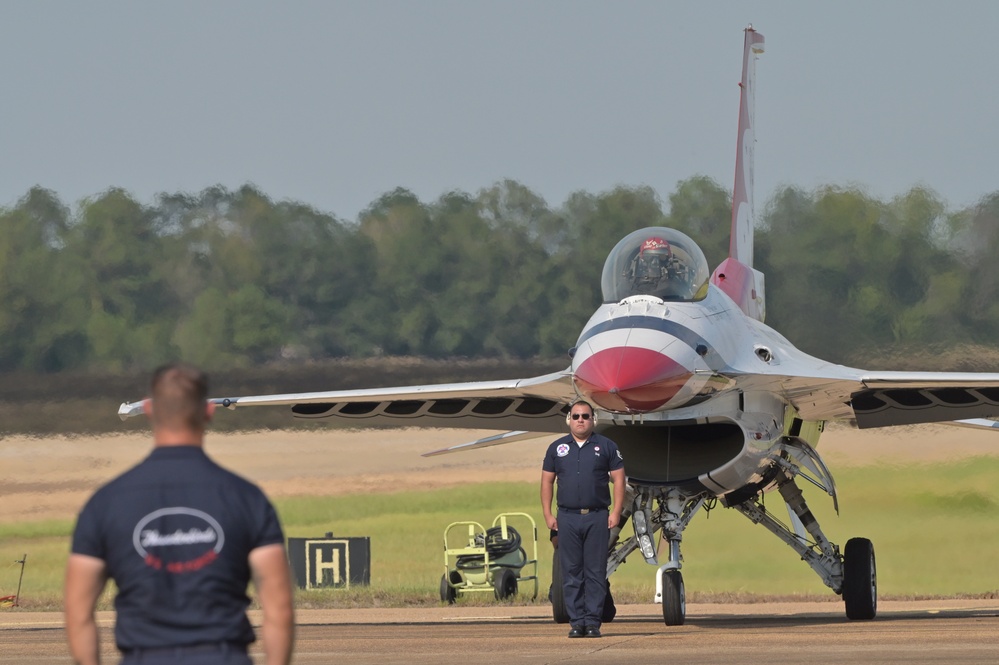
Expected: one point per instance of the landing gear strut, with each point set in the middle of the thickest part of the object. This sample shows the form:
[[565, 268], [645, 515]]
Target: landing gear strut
[[852, 574], [654, 509]]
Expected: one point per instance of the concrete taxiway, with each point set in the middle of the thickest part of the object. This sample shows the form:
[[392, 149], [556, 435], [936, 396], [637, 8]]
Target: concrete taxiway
[[941, 631]]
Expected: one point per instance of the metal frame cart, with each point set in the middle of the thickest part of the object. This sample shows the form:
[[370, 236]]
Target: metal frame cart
[[490, 560]]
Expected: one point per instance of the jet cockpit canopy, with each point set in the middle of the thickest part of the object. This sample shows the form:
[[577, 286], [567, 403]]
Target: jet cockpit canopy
[[655, 261]]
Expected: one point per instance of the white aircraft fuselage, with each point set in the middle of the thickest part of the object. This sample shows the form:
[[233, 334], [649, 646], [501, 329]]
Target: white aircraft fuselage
[[651, 367]]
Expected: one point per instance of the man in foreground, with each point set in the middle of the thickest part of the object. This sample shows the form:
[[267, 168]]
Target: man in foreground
[[583, 462], [181, 537]]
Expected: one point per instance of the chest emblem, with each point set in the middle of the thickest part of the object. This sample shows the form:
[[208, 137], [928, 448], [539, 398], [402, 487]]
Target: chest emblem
[[562, 450]]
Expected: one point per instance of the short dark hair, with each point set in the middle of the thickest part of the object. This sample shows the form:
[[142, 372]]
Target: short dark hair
[[179, 392], [582, 401]]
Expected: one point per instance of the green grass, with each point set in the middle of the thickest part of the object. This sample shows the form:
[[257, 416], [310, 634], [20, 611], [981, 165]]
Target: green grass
[[934, 528]]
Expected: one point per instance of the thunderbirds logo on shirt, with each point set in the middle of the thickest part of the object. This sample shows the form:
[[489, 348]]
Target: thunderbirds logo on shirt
[[178, 539], [562, 450]]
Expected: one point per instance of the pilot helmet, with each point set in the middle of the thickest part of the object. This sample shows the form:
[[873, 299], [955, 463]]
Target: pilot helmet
[[656, 248]]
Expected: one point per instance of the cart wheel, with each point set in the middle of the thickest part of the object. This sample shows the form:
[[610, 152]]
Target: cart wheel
[[448, 592], [559, 612], [505, 584]]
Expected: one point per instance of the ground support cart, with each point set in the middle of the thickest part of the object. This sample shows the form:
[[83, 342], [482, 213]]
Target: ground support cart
[[490, 559]]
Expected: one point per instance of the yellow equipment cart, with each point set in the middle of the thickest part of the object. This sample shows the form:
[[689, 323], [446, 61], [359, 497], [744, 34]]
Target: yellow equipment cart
[[490, 559]]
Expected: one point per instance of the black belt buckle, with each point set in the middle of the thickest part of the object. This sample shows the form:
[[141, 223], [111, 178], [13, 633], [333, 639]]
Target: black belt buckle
[[580, 511]]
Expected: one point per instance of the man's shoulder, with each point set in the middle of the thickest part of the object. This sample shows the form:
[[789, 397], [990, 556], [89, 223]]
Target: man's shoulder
[[135, 474], [196, 467], [613, 451], [230, 477], [603, 440]]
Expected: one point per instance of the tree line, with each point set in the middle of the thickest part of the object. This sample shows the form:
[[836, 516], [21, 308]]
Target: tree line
[[231, 279]]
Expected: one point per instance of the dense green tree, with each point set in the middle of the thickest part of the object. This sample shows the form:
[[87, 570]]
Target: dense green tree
[[702, 209], [847, 271], [232, 278], [524, 235], [407, 271], [976, 245], [42, 321], [920, 276], [508, 205], [818, 253], [117, 250]]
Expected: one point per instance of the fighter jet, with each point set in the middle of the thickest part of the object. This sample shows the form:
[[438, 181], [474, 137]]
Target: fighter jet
[[707, 403]]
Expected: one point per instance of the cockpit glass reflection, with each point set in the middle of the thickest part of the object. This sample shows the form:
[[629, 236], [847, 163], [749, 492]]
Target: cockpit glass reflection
[[656, 261]]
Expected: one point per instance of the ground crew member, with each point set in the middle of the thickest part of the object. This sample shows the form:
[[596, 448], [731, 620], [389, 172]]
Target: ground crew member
[[181, 537], [583, 462]]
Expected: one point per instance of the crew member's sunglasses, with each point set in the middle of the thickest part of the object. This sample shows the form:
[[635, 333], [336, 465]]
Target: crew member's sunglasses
[[577, 416]]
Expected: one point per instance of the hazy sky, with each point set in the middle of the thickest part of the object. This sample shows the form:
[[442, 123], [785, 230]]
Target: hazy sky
[[335, 103]]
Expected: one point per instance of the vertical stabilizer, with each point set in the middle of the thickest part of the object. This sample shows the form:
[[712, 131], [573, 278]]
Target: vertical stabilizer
[[741, 243], [736, 276]]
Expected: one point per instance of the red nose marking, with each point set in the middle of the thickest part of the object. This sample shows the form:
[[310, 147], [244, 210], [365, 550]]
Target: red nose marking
[[630, 379]]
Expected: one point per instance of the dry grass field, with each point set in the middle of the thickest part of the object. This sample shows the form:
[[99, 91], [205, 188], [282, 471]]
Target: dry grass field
[[49, 478], [890, 492]]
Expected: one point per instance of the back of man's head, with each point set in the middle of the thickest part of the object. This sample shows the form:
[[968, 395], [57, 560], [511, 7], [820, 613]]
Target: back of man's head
[[179, 393]]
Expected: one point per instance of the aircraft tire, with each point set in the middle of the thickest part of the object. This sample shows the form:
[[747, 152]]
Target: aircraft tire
[[504, 584], [674, 598], [559, 613], [860, 580], [448, 593]]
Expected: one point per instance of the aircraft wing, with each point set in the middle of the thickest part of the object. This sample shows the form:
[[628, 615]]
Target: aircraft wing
[[528, 405], [882, 399]]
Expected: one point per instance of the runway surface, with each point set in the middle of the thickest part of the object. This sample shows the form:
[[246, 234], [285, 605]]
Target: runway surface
[[942, 631]]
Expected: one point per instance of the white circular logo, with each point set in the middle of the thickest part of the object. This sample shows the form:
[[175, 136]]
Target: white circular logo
[[562, 450], [178, 539]]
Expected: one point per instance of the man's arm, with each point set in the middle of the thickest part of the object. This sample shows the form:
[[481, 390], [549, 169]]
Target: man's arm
[[547, 493], [273, 582], [614, 518], [85, 580]]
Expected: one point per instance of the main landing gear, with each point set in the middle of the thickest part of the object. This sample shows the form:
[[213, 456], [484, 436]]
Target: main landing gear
[[851, 574]]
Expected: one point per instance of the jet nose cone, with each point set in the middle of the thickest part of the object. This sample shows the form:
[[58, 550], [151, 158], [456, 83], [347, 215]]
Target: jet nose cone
[[630, 379]]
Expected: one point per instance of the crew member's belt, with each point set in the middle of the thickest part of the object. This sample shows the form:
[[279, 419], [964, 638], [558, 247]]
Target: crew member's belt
[[189, 649], [580, 511]]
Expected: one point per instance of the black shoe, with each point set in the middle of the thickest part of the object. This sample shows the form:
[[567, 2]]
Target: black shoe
[[577, 632], [593, 632]]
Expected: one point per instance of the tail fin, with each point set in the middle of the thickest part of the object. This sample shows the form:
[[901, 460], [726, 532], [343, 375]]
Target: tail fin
[[741, 243], [736, 276]]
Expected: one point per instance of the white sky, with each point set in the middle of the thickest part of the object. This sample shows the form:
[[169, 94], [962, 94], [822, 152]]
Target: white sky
[[335, 103]]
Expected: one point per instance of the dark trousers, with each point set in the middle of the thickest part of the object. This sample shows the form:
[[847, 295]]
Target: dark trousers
[[210, 654], [582, 549]]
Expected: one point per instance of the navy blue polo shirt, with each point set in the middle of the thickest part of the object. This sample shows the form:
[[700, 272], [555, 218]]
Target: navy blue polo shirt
[[583, 472], [175, 532]]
